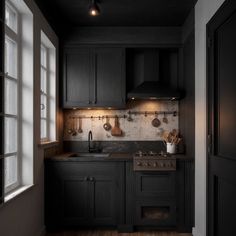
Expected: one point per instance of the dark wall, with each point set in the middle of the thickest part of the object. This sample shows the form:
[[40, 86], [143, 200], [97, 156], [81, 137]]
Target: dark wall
[[187, 105], [170, 36]]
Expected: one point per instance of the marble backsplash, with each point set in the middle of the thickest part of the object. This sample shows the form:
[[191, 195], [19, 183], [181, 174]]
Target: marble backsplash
[[139, 129]]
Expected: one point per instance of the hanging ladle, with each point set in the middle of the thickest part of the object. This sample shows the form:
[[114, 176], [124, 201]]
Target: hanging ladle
[[129, 117], [74, 132], [165, 120], [80, 126]]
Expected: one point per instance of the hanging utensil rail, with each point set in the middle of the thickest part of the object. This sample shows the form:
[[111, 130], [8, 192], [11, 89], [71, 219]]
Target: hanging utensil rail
[[99, 117], [146, 113]]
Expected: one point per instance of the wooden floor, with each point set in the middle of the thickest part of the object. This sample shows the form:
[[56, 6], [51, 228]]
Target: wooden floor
[[113, 233]]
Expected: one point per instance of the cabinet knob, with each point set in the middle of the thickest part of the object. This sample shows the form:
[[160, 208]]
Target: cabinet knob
[[139, 163]]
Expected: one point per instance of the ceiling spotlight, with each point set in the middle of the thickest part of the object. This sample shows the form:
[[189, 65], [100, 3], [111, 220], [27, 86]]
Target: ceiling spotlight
[[94, 8]]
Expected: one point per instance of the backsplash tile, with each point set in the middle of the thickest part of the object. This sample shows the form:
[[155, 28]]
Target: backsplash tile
[[139, 129]]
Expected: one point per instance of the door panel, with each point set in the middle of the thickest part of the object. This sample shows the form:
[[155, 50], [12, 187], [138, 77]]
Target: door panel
[[221, 121], [110, 76], [75, 201], [104, 192], [226, 71], [78, 81], [156, 184]]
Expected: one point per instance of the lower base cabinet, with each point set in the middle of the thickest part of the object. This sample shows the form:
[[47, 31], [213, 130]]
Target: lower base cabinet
[[84, 194], [103, 193], [152, 196]]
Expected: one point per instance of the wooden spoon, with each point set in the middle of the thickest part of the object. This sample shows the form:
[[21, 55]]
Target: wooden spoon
[[116, 131]]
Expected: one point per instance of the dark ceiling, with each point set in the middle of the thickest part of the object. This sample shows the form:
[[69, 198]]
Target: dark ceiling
[[117, 12]]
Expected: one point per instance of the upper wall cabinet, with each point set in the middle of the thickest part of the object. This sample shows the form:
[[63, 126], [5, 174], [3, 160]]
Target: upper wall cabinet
[[94, 77]]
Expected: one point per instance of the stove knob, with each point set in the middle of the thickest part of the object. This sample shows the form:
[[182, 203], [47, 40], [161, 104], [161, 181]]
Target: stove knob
[[139, 163], [154, 164], [161, 164]]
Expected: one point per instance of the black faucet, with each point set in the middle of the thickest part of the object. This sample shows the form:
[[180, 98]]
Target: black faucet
[[92, 149]]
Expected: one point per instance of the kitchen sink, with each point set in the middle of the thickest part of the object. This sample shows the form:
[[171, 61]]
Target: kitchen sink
[[87, 154]]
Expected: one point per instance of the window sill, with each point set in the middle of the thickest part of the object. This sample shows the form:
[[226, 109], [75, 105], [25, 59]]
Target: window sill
[[9, 197], [48, 144]]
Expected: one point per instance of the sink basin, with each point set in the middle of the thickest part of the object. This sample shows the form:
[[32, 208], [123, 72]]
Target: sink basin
[[95, 155]]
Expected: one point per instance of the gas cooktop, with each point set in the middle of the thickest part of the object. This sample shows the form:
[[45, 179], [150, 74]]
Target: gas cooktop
[[153, 161]]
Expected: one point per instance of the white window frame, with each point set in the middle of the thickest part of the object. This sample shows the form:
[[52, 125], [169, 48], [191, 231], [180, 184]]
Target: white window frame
[[45, 93], [51, 89], [15, 36]]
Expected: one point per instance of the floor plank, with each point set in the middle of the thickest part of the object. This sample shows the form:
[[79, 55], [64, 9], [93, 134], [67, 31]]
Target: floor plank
[[113, 233]]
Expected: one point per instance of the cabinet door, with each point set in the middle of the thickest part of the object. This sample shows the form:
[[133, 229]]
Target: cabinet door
[[155, 184], [109, 66], [104, 192], [75, 201], [78, 80]]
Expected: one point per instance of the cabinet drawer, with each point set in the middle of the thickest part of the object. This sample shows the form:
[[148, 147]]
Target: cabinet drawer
[[155, 184], [91, 169], [155, 212]]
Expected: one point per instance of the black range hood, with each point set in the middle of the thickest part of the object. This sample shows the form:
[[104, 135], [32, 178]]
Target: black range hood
[[151, 90], [151, 75]]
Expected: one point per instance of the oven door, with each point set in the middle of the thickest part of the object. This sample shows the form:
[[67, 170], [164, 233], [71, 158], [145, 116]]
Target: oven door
[[156, 212]]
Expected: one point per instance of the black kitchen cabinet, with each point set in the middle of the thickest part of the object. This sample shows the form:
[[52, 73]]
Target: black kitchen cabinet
[[94, 77], [78, 80], [84, 193], [110, 77], [151, 198]]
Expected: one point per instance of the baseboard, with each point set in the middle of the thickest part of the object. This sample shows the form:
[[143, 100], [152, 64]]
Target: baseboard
[[42, 232], [196, 233]]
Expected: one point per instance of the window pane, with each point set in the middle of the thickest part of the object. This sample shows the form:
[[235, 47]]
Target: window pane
[[11, 58], [43, 56], [43, 106], [10, 97], [43, 129], [11, 171], [43, 80], [11, 18], [10, 135]]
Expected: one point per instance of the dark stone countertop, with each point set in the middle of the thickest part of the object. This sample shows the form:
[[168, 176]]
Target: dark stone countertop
[[112, 157]]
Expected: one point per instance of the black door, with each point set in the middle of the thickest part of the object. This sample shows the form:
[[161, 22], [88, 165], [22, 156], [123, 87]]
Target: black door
[[222, 122]]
